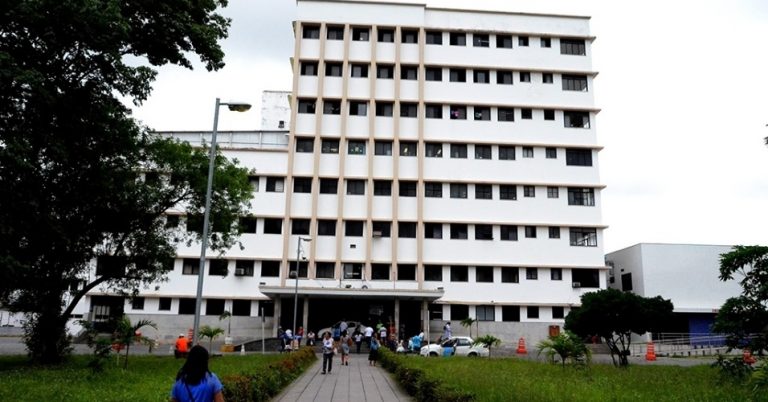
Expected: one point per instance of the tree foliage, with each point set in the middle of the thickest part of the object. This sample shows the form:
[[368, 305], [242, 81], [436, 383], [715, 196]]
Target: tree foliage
[[128, 332], [488, 341], [71, 156], [614, 315], [211, 333], [567, 346], [467, 323]]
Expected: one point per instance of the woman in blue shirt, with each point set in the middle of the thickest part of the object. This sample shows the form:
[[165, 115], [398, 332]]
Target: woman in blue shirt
[[195, 383]]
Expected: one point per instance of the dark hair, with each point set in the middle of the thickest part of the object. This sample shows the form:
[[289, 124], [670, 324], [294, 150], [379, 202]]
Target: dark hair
[[196, 366]]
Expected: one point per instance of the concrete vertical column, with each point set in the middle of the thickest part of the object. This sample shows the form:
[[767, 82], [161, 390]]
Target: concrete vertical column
[[276, 318], [425, 316], [397, 318], [305, 315]]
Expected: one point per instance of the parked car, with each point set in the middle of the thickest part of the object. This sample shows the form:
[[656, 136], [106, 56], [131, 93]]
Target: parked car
[[457, 345], [352, 326]]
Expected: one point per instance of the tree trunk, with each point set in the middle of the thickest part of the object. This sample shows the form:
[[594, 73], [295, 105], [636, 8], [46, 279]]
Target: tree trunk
[[45, 333]]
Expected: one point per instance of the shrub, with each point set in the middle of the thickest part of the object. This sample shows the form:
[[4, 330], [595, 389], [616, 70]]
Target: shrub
[[419, 384], [732, 368], [262, 386]]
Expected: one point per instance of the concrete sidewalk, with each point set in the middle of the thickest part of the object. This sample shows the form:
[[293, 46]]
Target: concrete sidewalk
[[357, 382]]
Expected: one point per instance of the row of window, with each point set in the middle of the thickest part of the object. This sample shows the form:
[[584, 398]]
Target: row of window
[[213, 307], [570, 82], [571, 118], [568, 46], [488, 312]]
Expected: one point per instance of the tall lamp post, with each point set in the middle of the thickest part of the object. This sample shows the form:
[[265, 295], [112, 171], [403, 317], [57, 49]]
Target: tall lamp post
[[296, 280], [235, 107]]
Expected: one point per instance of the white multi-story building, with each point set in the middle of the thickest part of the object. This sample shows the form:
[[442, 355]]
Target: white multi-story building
[[443, 164]]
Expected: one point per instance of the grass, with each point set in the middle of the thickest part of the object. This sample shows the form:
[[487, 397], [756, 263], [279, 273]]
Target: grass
[[148, 378], [519, 380]]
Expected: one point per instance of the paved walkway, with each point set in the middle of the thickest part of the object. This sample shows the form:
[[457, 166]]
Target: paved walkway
[[357, 382]]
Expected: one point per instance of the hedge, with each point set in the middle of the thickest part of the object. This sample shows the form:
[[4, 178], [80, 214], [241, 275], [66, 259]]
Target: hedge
[[418, 383], [262, 386]]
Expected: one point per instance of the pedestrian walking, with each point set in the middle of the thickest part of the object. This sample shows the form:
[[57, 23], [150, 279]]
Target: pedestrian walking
[[358, 337], [447, 331], [346, 342], [383, 334], [368, 335], [343, 325], [373, 354], [328, 352], [288, 340], [281, 338], [195, 382]]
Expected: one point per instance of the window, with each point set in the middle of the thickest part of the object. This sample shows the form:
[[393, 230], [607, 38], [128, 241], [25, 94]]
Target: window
[[381, 229], [359, 71], [433, 190], [355, 187], [248, 224], [218, 267], [434, 111], [483, 232], [481, 40], [304, 144], [533, 312], [458, 190], [329, 146], [586, 278], [408, 109], [626, 282], [530, 232], [335, 33], [576, 119], [353, 228], [358, 108], [406, 230], [406, 272], [409, 36], [459, 311], [529, 191], [172, 221], [504, 77], [275, 184], [300, 226], [458, 112], [380, 272], [187, 306], [457, 75], [137, 303], [459, 151], [510, 313], [578, 157], [481, 76], [331, 106], [310, 32], [584, 237], [326, 227], [575, 83], [353, 271], [554, 232], [551, 153], [547, 78], [241, 308], [382, 187], [506, 152], [360, 34], [386, 35], [509, 232], [433, 273], [573, 46], [433, 230], [522, 41], [385, 109], [532, 274], [459, 231], [525, 76], [356, 147], [385, 71], [459, 274], [556, 274], [409, 72], [434, 150], [273, 226], [383, 148], [407, 188], [458, 39], [434, 38], [527, 152], [329, 186], [526, 113], [484, 274], [333, 69], [483, 152], [507, 192], [407, 148], [546, 42], [558, 312], [506, 114], [306, 106], [510, 275], [581, 196], [504, 41], [309, 68], [483, 192], [302, 184], [482, 113], [433, 74], [270, 269], [553, 192], [165, 304], [485, 313]]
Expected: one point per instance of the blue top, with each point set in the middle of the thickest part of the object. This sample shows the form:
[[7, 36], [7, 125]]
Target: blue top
[[202, 392]]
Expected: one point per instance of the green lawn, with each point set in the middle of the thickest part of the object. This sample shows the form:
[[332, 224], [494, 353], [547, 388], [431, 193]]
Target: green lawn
[[148, 378], [519, 380]]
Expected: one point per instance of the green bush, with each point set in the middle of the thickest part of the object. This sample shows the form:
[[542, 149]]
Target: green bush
[[262, 386], [419, 384], [732, 368]]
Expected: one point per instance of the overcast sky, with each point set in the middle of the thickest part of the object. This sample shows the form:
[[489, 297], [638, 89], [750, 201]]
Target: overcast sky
[[682, 86]]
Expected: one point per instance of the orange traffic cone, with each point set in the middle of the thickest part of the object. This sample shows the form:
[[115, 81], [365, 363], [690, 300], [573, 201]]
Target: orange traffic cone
[[748, 358], [521, 347], [650, 354]]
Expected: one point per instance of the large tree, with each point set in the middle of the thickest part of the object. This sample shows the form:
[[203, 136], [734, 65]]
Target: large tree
[[614, 315], [745, 318], [72, 158]]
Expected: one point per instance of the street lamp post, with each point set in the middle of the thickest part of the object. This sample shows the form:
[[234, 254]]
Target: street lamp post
[[235, 107], [296, 282]]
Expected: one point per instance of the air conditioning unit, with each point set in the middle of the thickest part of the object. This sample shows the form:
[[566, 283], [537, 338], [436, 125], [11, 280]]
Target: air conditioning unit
[[239, 271], [576, 285]]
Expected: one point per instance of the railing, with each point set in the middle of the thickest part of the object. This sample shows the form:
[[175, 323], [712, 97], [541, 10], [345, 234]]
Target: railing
[[234, 139], [682, 343]]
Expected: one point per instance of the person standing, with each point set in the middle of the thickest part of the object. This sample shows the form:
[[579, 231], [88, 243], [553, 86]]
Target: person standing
[[328, 349], [288, 340], [299, 336], [346, 341], [373, 355], [343, 325], [368, 335], [383, 334], [447, 331], [310, 338], [195, 382], [281, 338], [182, 347], [358, 337]]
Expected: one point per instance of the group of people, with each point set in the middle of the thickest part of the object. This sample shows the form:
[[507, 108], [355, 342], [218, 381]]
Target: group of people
[[288, 341], [331, 347]]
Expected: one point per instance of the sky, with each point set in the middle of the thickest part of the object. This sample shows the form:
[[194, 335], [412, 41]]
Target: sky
[[682, 87]]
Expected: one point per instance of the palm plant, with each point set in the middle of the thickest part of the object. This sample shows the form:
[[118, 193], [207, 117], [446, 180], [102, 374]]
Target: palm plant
[[127, 332], [488, 341], [211, 333], [567, 346], [467, 323], [227, 315]]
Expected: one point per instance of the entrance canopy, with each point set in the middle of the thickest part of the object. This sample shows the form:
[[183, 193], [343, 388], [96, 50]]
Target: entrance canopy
[[345, 292]]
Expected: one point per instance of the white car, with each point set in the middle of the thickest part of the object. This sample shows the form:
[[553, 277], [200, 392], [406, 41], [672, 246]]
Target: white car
[[462, 346], [352, 326]]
